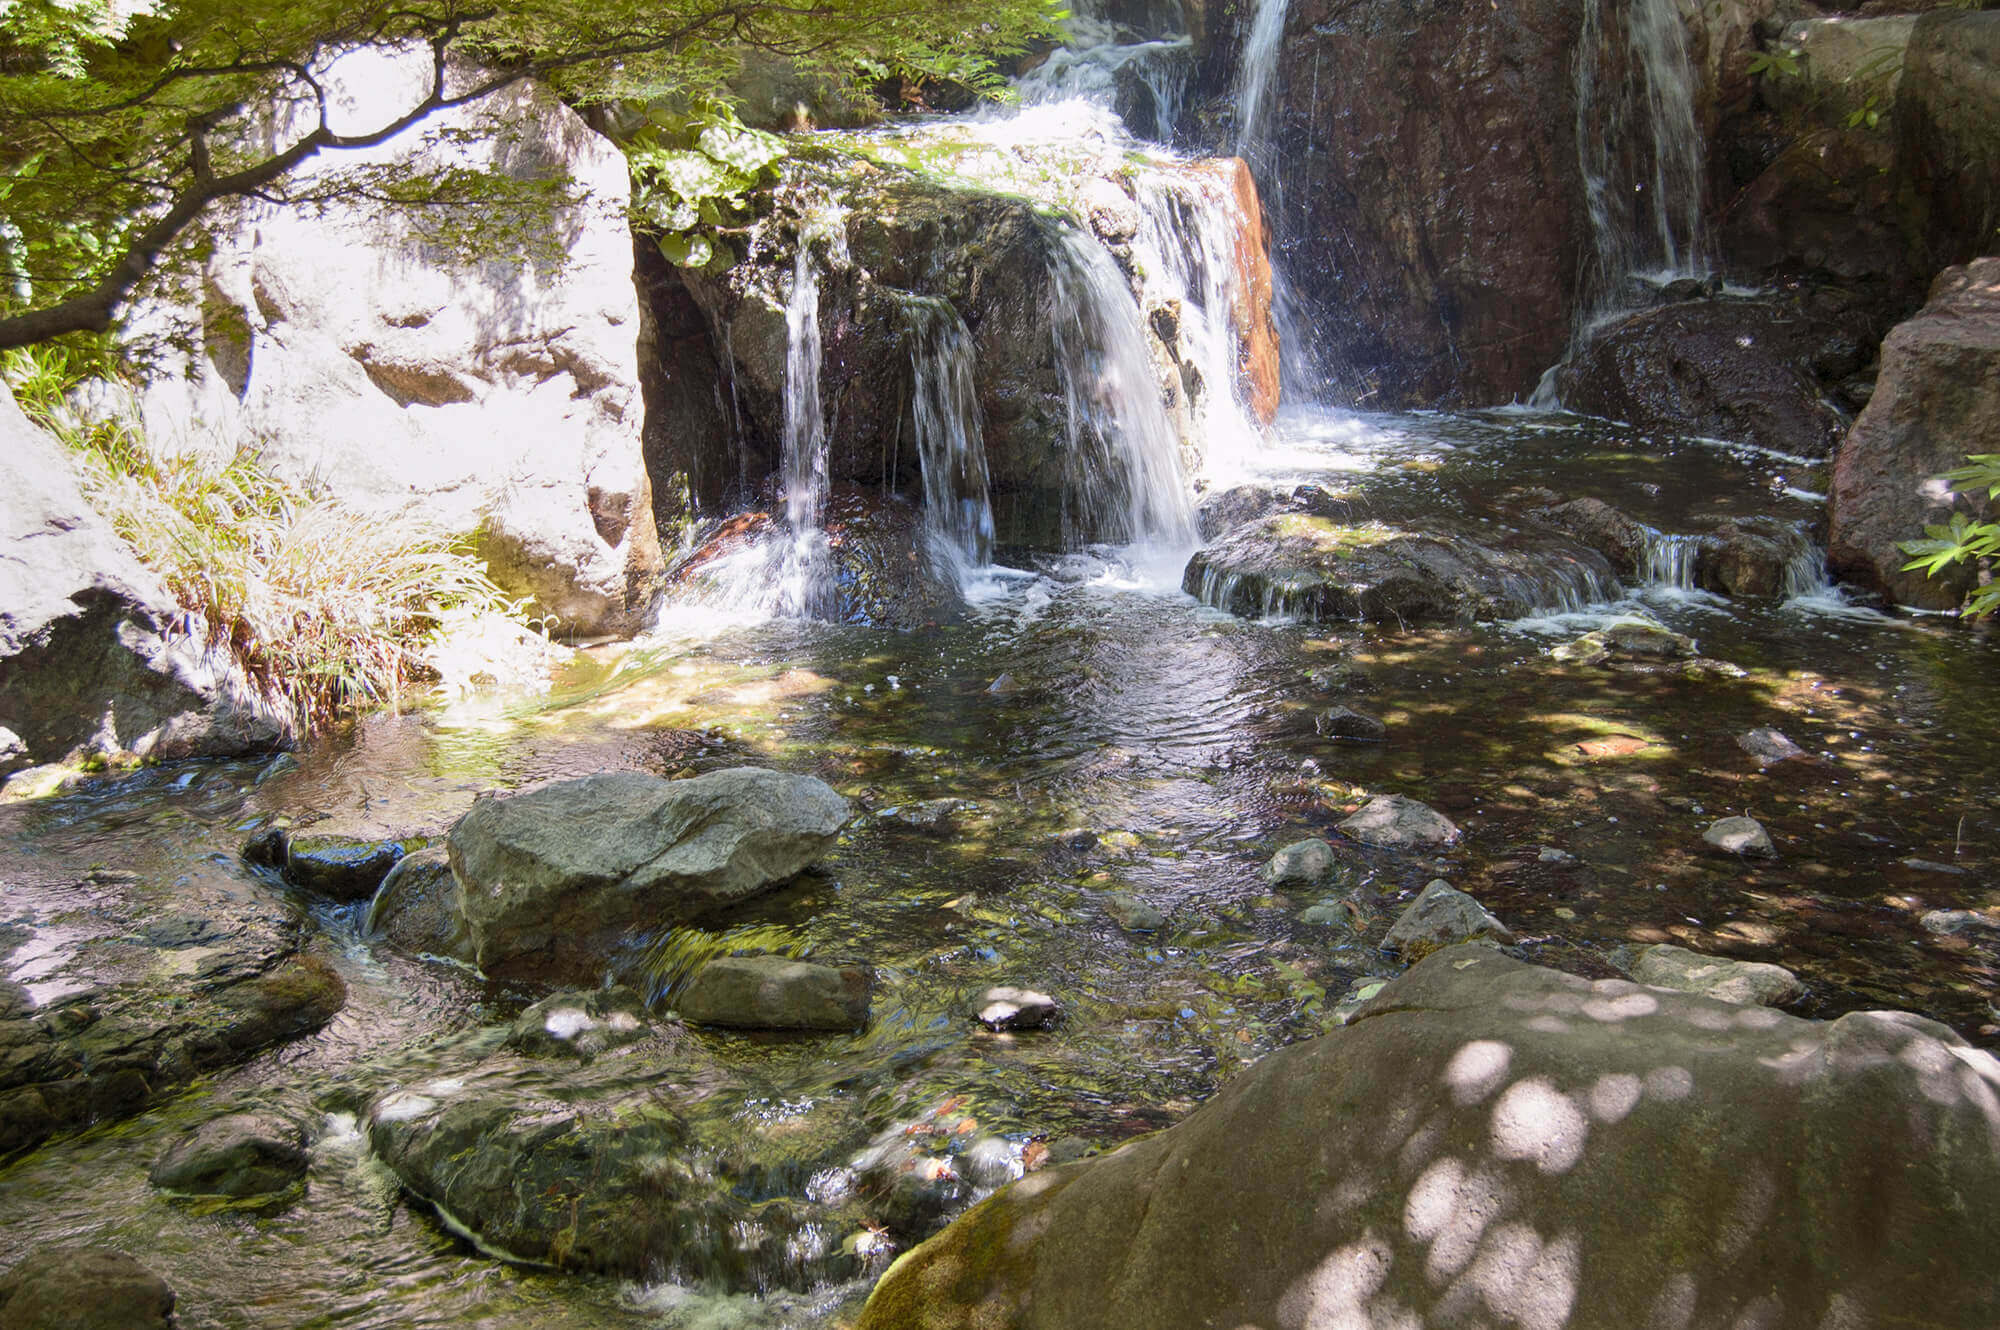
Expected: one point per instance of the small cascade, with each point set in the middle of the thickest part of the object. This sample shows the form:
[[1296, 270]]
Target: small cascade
[[1256, 84], [951, 448], [805, 571], [1670, 561], [1197, 253], [1144, 83], [1125, 484], [1640, 147]]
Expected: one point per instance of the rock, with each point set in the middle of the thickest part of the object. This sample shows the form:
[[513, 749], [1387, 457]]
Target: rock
[[1750, 983], [1007, 1008], [1621, 539], [932, 815], [1768, 746], [1305, 863], [1440, 917], [1443, 1159], [239, 1154], [1392, 822], [344, 868], [1728, 369], [580, 1025], [1757, 556], [1359, 994], [1407, 305], [1938, 394], [1639, 637], [83, 1288], [1132, 914], [551, 879], [1333, 914], [1741, 836], [1347, 723], [14, 755], [777, 993], [417, 906], [495, 395], [1961, 923], [1551, 855], [1308, 566], [94, 657]]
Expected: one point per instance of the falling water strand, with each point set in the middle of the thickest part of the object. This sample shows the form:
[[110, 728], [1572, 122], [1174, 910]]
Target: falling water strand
[[1640, 146], [1255, 80], [951, 448], [1095, 67], [1124, 483], [805, 570]]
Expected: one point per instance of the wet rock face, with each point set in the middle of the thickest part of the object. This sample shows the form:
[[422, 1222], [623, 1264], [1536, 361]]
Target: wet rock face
[[1938, 398], [1444, 1159], [1728, 369], [83, 1288], [89, 659], [553, 880], [238, 1155], [777, 993], [1429, 206]]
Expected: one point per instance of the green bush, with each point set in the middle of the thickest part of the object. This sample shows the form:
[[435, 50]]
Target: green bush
[[1963, 537]]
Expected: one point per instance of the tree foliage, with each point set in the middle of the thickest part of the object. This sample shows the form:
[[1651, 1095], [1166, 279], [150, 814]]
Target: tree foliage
[[1964, 538], [123, 122]]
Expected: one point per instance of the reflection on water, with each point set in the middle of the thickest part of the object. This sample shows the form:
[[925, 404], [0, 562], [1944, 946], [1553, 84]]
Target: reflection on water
[[1112, 737]]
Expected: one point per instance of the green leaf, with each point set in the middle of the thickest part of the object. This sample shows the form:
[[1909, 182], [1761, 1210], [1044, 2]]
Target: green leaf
[[748, 151], [692, 250]]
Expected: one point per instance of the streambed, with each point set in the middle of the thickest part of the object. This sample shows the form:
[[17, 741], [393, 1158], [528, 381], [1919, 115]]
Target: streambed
[[1111, 736]]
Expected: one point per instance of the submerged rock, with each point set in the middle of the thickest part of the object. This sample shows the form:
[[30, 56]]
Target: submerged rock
[[1132, 914], [1305, 863], [932, 815], [1440, 917], [1742, 836], [1751, 983], [1392, 822], [580, 1025], [777, 993], [343, 868], [239, 1155], [1768, 746], [1961, 923], [1476, 1113], [552, 880], [1347, 723], [83, 1288], [1009, 1008]]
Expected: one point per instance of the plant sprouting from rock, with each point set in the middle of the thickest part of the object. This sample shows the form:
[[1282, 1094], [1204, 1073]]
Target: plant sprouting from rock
[[1964, 538]]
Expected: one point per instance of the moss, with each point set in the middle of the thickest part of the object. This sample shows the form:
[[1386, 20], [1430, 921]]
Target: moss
[[973, 1274]]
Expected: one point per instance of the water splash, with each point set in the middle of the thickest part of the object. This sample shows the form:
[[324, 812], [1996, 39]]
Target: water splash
[[1256, 80], [1124, 483], [1144, 83], [951, 446]]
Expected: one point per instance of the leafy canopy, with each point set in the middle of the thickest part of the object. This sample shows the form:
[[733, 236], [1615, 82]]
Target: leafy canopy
[[123, 122]]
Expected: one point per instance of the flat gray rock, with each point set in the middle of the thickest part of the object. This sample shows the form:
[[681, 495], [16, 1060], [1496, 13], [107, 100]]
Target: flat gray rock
[[1768, 746], [1752, 983], [1305, 863], [777, 993], [1393, 822], [1439, 917]]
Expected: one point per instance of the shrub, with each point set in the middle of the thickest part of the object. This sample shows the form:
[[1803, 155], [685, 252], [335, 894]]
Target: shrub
[[1963, 537]]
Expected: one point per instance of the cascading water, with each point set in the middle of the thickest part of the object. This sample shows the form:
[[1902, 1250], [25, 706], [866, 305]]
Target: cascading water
[[804, 582], [1095, 67], [1256, 83], [1640, 147], [1125, 483], [958, 512]]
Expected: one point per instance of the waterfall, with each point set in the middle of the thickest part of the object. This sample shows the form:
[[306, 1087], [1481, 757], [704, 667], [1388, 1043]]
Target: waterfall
[[1124, 482], [1094, 67], [1190, 251], [1640, 147], [951, 448], [1255, 80], [805, 572]]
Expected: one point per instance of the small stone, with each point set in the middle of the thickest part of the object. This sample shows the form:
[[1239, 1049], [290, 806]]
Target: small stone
[[1325, 915], [1006, 1008], [1742, 836], [1748, 983], [1347, 723], [1551, 855], [13, 752], [580, 1025], [1359, 994], [777, 993], [1302, 863], [932, 815], [1132, 914], [83, 1288], [1960, 923], [1393, 822], [1932, 866], [1768, 746], [1441, 917], [1590, 649], [240, 1154], [341, 867], [1638, 637]]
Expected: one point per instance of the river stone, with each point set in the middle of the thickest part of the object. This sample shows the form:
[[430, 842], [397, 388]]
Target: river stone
[[1493, 1143], [239, 1154], [1938, 396], [552, 878], [1009, 1008], [1740, 835], [1621, 539], [932, 815], [580, 1025], [1392, 822], [1441, 916], [776, 993], [1347, 723], [1768, 746], [1961, 923], [91, 659], [344, 868], [83, 1288], [1305, 863], [1751, 983], [417, 906], [1133, 914]]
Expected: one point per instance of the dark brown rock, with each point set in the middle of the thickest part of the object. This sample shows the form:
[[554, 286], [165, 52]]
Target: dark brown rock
[[1938, 398], [83, 1288], [238, 1154]]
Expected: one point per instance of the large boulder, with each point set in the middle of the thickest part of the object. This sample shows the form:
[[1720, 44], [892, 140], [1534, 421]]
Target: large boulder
[[83, 1288], [1431, 214], [554, 880], [95, 656], [1739, 370], [1937, 400], [1493, 1143], [495, 391]]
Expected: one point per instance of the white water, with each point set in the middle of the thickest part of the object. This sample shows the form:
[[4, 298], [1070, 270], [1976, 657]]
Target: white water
[[805, 570], [951, 447], [1093, 67], [1256, 82]]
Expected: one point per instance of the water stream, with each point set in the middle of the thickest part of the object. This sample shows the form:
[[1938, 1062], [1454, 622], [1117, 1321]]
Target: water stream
[[958, 512]]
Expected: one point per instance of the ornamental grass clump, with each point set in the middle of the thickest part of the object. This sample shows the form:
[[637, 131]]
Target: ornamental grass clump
[[327, 608]]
